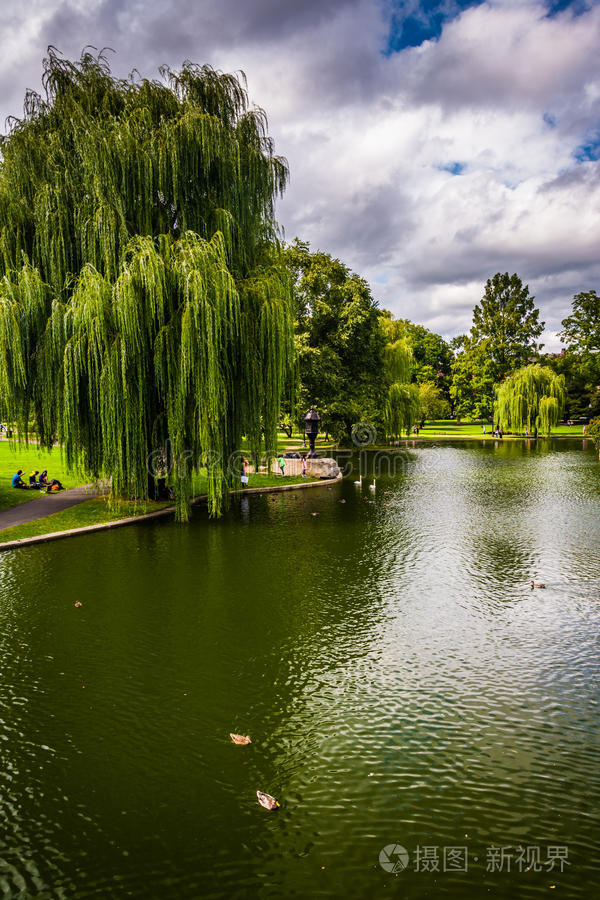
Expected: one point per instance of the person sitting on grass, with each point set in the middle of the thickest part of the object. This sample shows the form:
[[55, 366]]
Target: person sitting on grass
[[33, 482], [43, 479], [17, 481], [54, 486]]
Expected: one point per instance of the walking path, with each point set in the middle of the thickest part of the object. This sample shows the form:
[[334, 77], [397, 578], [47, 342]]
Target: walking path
[[80, 494], [45, 505]]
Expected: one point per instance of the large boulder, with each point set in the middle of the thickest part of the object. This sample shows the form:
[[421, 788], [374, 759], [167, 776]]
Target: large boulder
[[323, 468]]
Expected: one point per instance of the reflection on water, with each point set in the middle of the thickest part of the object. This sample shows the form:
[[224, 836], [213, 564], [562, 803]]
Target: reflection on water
[[401, 682]]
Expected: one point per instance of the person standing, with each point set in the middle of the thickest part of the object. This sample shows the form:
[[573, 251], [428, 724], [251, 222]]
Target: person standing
[[281, 462], [304, 465]]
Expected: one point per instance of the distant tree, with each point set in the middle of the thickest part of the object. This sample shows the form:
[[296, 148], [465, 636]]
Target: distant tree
[[582, 335], [503, 337], [530, 399], [582, 392], [581, 330], [593, 431], [433, 404], [402, 409], [507, 320], [403, 405], [339, 342], [472, 381], [431, 354]]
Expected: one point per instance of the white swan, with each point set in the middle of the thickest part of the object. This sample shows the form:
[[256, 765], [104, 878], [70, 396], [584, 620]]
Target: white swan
[[372, 486]]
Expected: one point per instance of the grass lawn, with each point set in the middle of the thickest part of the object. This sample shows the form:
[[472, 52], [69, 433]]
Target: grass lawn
[[90, 512], [100, 510], [262, 480], [284, 443], [449, 428], [29, 457]]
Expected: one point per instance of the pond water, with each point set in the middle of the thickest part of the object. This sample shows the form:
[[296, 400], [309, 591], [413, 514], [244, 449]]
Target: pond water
[[401, 682]]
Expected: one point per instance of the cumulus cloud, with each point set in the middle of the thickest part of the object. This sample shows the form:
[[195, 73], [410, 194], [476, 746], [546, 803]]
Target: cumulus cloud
[[427, 169]]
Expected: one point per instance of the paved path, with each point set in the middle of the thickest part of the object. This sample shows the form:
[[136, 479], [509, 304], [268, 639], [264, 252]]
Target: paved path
[[45, 505]]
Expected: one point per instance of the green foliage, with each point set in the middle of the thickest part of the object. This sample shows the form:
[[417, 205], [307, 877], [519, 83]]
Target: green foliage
[[582, 335], [338, 341], [143, 304], [502, 338], [508, 322], [431, 354], [582, 328], [582, 392], [472, 387], [593, 431], [398, 359], [402, 409], [531, 399], [433, 404]]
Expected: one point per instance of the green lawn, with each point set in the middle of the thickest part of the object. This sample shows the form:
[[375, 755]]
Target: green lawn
[[29, 457], [90, 512], [449, 428], [284, 443], [100, 509]]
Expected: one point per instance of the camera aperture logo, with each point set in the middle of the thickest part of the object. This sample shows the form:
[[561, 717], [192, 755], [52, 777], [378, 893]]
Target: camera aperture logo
[[393, 858]]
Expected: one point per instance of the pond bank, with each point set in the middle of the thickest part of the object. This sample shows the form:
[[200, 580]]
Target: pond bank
[[168, 510]]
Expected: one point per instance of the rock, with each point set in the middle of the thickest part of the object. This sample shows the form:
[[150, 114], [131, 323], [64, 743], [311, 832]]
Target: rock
[[323, 468]]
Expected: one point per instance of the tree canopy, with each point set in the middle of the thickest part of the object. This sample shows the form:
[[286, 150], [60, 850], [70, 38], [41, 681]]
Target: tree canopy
[[503, 338], [581, 330], [506, 318], [338, 340], [143, 302], [531, 399], [431, 354]]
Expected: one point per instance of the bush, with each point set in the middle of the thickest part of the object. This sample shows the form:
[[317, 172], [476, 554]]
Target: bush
[[593, 431]]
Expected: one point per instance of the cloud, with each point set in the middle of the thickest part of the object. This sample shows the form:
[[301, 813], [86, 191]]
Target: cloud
[[426, 170]]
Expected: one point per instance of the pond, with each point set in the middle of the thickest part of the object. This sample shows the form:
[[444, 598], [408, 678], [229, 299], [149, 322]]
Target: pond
[[403, 685]]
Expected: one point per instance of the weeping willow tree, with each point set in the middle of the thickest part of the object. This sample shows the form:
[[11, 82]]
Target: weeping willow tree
[[144, 309], [403, 404], [532, 399], [402, 408]]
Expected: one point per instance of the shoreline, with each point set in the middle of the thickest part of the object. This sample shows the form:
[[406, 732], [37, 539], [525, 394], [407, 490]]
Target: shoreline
[[159, 513], [463, 437]]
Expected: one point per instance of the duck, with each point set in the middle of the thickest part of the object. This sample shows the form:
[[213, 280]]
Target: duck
[[78, 603], [267, 801], [314, 514], [534, 585], [241, 739], [341, 501]]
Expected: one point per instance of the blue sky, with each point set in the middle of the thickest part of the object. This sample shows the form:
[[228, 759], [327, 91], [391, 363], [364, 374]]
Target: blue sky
[[431, 144], [413, 23]]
